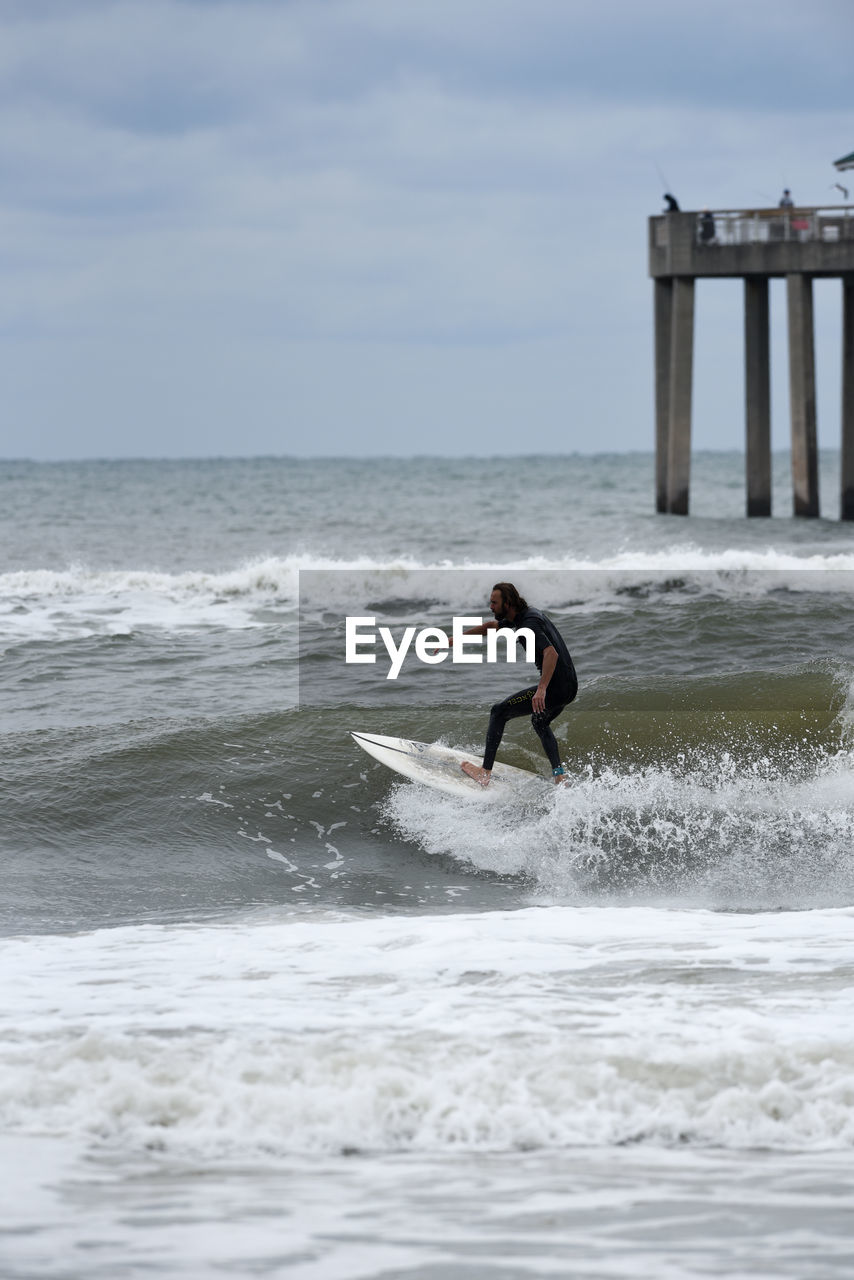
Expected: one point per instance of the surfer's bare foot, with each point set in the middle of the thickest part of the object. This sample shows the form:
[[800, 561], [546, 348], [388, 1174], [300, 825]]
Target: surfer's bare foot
[[477, 773]]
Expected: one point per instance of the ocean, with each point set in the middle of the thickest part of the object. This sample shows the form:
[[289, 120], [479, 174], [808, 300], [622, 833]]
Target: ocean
[[269, 1009]]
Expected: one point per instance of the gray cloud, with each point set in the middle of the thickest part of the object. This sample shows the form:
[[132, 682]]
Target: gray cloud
[[288, 186]]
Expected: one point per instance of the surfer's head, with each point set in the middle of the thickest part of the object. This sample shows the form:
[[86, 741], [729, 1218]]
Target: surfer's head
[[505, 600]]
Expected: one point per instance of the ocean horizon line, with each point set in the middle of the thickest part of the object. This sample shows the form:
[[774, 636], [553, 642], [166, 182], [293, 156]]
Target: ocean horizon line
[[649, 453]]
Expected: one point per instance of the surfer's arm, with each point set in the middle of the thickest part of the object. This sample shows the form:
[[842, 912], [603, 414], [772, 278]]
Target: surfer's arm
[[479, 630], [538, 702]]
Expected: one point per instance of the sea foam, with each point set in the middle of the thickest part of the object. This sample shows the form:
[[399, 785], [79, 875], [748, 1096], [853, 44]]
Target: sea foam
[[44, 604], [492, 1032]]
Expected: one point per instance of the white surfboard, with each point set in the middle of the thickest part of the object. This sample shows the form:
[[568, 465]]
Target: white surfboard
[[439, 767]]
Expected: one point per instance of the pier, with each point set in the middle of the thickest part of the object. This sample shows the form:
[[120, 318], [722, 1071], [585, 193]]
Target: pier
[[798, 245]]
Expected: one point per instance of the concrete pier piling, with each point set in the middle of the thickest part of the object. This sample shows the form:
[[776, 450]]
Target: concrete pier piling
[[802, 395], [755, 245], [663, 309], [757, 395], [847, 461], [679, 396]]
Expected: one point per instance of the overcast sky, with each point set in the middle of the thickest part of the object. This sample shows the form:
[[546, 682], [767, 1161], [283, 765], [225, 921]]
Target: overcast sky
[[390, 226]]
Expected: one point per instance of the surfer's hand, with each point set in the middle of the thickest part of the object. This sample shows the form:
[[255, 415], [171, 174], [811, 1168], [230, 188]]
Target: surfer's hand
[[538, 702]]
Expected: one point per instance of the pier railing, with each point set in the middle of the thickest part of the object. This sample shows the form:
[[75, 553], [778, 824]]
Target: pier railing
[[718, 227]]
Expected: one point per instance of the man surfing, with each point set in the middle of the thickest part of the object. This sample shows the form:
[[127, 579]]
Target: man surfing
[[558, 683]]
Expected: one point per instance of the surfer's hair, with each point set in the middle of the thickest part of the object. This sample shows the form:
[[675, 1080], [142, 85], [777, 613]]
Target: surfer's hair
[[511, 597]]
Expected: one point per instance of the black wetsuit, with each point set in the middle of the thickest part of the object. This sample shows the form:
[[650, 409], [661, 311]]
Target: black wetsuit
[[560, 690]]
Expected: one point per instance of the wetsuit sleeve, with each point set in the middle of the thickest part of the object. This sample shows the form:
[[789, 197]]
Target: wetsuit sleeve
[[546, 634], [534, 623]]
